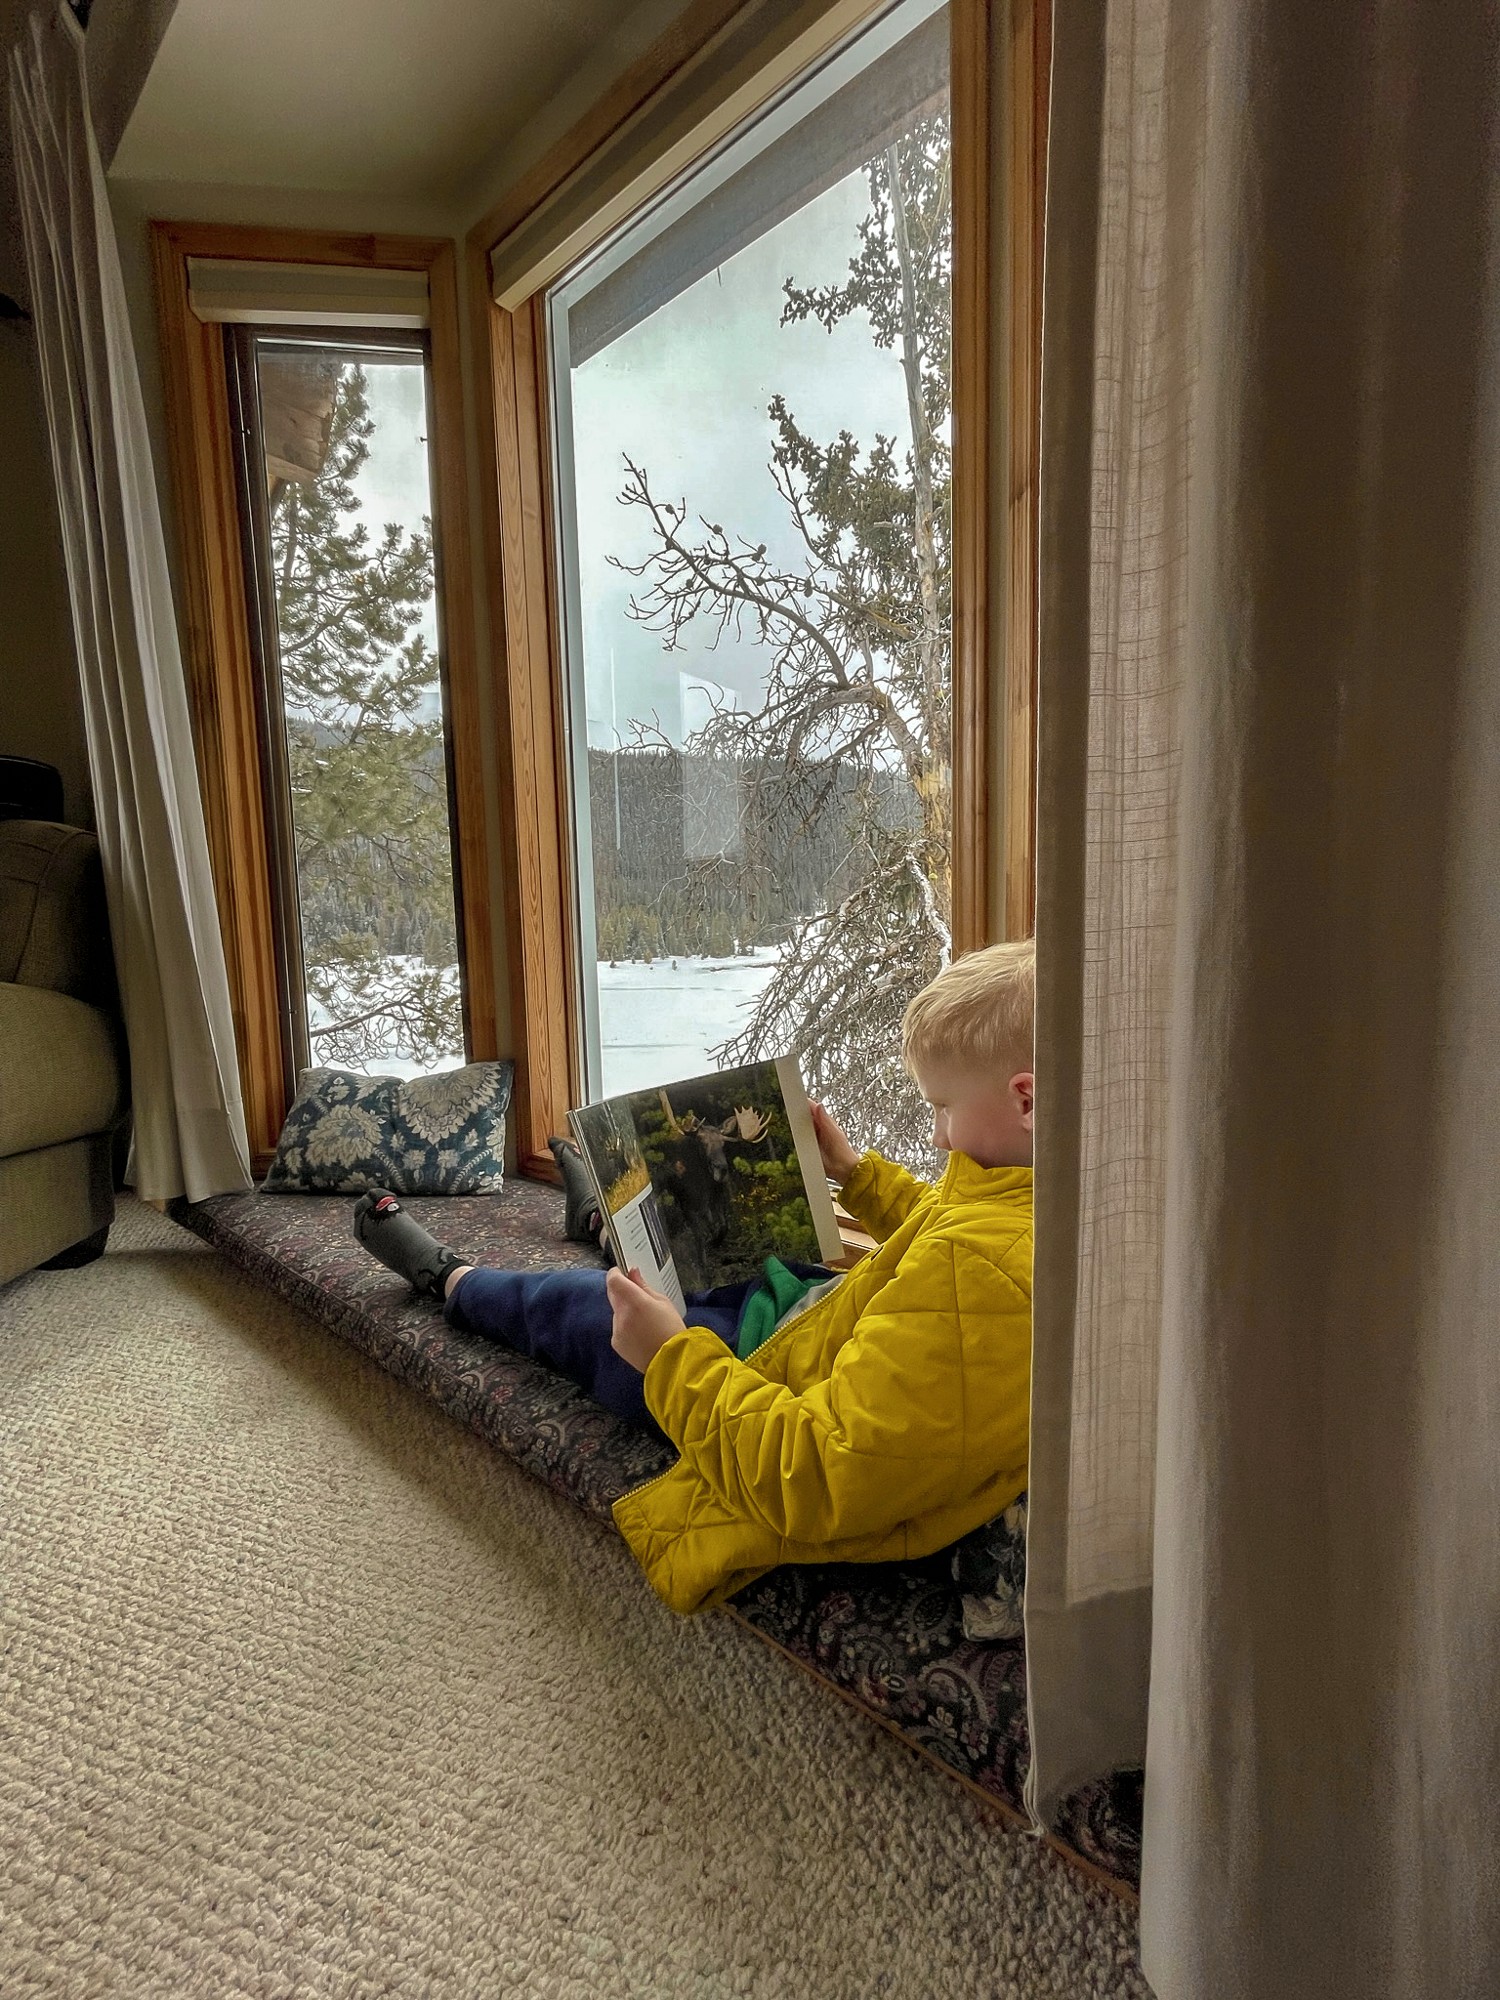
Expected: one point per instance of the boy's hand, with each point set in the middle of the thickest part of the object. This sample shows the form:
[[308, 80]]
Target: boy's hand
[[645, 1320], [839, 1157]]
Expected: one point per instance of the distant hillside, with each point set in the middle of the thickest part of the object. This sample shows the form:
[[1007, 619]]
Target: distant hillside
[[690, 856]]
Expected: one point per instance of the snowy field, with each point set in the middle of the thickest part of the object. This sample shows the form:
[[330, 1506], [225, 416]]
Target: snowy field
[[657, 1020]]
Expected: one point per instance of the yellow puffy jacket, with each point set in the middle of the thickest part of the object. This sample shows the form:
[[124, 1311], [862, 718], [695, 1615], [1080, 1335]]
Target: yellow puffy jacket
[[885, 1421]]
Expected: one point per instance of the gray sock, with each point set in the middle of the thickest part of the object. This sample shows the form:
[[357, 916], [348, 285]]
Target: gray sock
[[402, 1244], [581, 1222]]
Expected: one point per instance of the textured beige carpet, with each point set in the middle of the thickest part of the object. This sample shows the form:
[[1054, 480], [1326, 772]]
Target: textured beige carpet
[[305, 1691]]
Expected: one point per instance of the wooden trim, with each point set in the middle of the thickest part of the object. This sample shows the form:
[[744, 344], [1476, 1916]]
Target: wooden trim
[[544, 580], [460, 656], [681, 43], [764, 46], [250, 244], [972, 648], [995, 642], [217, 639], [221, 684], [1026, 113], [528, 692]]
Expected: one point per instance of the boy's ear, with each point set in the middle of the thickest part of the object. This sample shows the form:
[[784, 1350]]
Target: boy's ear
[[1023, 1090]]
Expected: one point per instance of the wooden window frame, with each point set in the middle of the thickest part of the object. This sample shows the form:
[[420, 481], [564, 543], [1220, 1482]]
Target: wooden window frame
[[216, 632], [1019, 131], [1000, 71]]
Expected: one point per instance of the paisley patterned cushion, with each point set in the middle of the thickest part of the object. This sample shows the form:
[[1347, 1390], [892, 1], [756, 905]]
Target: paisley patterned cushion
[[442, 1134]]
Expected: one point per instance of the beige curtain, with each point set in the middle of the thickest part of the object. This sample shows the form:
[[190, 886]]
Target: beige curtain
[[1267, 1429], [1119, 372], [189, 1124]]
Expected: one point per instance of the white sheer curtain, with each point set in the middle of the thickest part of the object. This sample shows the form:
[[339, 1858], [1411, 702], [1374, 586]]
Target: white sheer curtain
[[189, 1123], [1267, 1431]]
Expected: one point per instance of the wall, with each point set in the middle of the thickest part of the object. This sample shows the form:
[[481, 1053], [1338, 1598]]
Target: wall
[[520, 150], [39, 707], [41, 713], [123, 38]]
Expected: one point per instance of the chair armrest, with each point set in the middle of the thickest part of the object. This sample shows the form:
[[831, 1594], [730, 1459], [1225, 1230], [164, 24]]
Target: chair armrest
[[60, 1072], [54, 926]]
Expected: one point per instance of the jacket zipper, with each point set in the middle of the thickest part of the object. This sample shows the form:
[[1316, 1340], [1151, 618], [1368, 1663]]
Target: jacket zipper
[[646, 1484]]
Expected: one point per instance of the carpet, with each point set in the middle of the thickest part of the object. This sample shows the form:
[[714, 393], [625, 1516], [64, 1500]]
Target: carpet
[[308, 1691], [888, 1636]]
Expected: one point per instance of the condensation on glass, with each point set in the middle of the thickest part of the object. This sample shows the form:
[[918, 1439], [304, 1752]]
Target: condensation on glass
[[340, 561], [751, 409]]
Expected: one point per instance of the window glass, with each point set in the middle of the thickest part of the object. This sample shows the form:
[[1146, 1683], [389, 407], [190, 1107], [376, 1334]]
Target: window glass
[[752, 412], [345, 561]]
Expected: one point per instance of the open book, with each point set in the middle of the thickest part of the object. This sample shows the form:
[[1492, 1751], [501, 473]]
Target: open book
[[699, 1182]]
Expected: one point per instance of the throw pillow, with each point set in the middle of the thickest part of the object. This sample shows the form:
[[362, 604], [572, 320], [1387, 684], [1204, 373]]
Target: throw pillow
[[442, 1134], [989, 1567]]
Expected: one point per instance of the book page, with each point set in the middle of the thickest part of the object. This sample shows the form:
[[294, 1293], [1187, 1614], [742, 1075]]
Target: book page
[[641, 1245], [734, 1165], [819, 1199], [611, 1151]]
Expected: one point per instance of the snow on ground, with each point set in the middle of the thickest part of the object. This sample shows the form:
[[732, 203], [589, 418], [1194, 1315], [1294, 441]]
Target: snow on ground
[[387, 1061], [658, 1020]]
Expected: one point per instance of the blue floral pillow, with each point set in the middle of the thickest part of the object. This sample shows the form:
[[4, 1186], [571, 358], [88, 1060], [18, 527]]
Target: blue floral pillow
[[442, 1134], [989, 1567]]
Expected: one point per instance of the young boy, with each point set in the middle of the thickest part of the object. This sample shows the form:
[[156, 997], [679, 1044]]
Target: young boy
[[888, 1412]]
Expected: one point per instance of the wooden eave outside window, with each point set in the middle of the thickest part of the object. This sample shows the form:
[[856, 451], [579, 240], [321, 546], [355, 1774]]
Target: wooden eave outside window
[[1000, 66], [220, 669]]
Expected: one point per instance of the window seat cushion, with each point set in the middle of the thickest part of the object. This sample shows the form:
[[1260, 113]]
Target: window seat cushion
[[888, 1636]]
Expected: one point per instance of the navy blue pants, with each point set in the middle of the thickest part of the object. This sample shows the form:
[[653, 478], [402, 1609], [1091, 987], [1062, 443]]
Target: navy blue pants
[[564, 1319]]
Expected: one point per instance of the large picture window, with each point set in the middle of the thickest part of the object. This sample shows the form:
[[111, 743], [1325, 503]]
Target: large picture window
[[751, 397]]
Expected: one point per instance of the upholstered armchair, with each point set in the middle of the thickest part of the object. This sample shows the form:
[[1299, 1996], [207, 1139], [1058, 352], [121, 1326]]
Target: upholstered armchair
[[63, 1093]]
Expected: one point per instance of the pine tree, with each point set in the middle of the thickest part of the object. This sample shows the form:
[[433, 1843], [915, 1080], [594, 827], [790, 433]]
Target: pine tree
[[856, 638], [365, 749]]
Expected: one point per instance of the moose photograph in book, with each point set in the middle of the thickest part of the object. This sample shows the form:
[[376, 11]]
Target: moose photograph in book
[[705, 1179]]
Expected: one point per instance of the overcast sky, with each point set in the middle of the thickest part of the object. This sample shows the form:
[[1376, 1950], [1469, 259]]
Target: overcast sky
[[685, 394], [394, 481]]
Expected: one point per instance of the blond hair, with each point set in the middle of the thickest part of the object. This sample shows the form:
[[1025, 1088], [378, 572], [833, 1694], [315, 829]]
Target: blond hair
[[979, 1011]]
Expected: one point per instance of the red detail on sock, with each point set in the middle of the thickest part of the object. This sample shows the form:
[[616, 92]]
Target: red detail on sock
[[387, 1205]]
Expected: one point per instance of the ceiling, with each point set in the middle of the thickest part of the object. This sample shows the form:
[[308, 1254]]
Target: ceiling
[[388, 96]]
